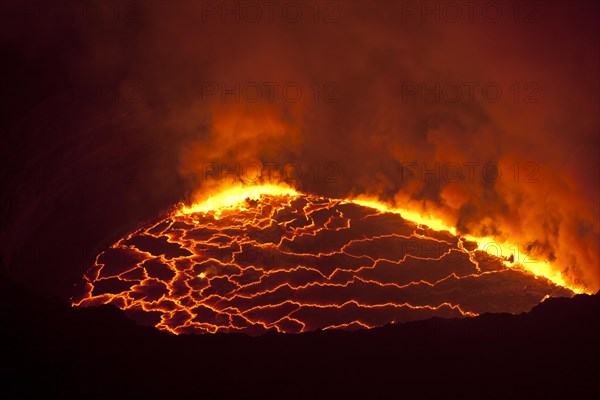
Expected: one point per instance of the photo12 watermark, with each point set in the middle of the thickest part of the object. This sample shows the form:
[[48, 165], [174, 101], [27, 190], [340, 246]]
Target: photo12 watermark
[[470, 12], [468, 92], [269, 92], [105, 13], [469, 172], [271, 12], [271, 172]]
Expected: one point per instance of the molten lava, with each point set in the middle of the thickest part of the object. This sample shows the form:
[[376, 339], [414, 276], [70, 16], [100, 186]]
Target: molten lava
[[270, 258]]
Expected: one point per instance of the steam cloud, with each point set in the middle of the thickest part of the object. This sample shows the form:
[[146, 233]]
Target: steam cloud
[[365, 117]]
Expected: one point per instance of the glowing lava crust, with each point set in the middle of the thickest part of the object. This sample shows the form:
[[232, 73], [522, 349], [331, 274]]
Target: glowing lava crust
[[274, 259]]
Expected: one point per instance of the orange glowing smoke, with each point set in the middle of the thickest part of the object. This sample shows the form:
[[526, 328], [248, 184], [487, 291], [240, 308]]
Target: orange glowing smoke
[[270, 258]]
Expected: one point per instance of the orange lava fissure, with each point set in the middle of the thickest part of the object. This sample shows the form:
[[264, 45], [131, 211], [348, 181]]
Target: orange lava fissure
[[294, 262]]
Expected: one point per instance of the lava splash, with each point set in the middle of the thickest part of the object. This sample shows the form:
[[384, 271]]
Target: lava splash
[[281, 260]]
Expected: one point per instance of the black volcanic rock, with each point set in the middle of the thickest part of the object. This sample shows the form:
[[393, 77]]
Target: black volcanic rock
[[98, 352]]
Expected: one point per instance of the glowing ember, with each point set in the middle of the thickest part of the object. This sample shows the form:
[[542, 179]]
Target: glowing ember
[[270, 258]]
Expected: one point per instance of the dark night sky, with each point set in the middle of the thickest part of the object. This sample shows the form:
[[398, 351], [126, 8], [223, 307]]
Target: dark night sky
[[111, 111]]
